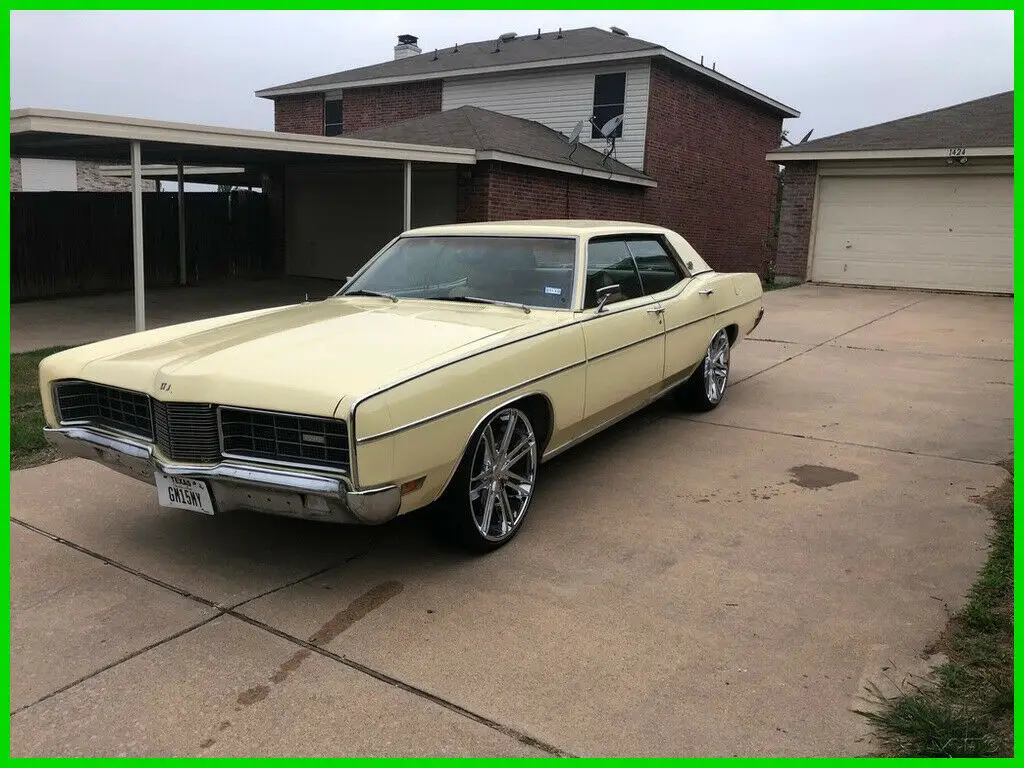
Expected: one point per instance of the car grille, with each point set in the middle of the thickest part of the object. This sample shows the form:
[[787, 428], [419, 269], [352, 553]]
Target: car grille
[[285, 437], [187, 431], [122, 409]]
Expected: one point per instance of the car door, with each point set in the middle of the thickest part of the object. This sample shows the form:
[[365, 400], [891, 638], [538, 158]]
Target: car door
[[624, 338], [688, 301]]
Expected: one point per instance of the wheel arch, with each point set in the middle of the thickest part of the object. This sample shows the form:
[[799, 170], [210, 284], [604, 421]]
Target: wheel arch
[[536, 404], [733, 332]]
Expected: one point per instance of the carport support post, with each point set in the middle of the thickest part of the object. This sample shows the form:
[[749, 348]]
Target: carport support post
[[407, 207], [137, 255], [182, 267]]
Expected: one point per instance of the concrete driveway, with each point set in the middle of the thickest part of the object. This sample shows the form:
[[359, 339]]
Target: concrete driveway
[[719, 585]]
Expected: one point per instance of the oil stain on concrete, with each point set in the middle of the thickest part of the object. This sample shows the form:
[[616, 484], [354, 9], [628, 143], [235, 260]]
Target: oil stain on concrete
[[341, 621], [345, 618], [814, 476]]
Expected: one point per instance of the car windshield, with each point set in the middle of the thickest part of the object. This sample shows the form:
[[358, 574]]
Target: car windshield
[[534, 271]]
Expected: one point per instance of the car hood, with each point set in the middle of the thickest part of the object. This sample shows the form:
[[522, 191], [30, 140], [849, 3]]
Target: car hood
[[304, 358]]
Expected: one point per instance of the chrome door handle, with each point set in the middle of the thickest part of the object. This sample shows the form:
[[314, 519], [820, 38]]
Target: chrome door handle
[[655, 311], [707, 292]]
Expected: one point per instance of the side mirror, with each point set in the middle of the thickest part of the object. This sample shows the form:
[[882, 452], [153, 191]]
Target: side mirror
[[604, 293]]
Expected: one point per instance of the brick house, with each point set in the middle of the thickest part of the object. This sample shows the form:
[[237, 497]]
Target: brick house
[[689, 152]]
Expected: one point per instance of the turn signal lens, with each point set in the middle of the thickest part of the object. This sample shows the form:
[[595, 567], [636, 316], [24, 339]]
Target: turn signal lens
[[413, 485]]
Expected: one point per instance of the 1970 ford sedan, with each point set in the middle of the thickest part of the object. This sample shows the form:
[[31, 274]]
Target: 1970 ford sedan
[[448, 369]]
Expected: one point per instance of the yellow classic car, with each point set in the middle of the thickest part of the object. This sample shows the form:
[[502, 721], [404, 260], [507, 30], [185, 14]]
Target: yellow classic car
[[448, 369]]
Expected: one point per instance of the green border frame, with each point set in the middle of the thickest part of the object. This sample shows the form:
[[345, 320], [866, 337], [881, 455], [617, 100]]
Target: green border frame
[[522, 5]]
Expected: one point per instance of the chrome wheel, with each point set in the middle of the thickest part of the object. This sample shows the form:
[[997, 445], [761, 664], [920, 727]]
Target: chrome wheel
[[716, 367], [503, 474]]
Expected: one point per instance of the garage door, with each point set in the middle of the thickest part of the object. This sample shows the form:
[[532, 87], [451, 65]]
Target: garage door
[[945, 232]]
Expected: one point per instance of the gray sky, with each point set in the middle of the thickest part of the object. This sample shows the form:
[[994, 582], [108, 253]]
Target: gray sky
[[842, 70]]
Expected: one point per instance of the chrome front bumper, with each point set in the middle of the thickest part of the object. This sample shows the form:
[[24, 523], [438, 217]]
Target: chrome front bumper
[[235, 485]]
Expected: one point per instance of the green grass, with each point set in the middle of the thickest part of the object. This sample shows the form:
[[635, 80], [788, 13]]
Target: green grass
[[28, 447], [966, 709]]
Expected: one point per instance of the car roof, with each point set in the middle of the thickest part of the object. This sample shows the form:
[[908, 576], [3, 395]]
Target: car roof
[[548, 227]]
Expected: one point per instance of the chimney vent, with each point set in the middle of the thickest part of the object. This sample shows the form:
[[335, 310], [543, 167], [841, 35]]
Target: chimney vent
[[406, 47], [620, 31]]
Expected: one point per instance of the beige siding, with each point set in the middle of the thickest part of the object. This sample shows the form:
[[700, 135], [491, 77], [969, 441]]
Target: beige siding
[[947, 231], [560, 98]]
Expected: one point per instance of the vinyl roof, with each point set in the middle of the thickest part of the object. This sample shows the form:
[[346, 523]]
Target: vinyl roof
[[985, 122], [487, 131]]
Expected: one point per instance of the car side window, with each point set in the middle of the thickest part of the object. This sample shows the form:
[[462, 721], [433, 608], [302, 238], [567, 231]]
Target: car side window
[[609, 262], [658, 270]]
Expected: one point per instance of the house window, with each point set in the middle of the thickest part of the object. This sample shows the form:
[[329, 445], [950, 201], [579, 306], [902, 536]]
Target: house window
[[332, 118], [609, 101]]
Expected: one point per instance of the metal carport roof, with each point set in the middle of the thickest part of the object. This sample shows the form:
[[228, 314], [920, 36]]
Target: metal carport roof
[[58, 134]]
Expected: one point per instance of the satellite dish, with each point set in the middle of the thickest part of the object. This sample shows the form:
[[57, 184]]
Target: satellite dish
[[574, 136], [608, 131], [786, 139], [611, 126]]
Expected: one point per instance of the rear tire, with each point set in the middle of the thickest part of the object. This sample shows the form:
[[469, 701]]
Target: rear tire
[[705, 389], [487, 500]]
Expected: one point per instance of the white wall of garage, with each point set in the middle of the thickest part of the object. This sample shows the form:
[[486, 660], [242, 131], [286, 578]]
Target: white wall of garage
[[337, 217], [919, 226]]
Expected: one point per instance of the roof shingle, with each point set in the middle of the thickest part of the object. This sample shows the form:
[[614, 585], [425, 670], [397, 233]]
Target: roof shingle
[[985, 122], [550, 46], [484, 130]]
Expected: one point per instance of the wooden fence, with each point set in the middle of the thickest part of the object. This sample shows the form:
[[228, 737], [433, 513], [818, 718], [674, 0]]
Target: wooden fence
[[74, 243]]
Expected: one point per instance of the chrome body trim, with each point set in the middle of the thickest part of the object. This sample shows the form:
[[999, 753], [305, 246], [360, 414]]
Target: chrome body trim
[[470, 404], [644, 340], [277, 490], [548, 455]]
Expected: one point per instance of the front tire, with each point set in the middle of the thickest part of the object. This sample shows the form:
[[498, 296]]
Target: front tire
[[705, 388], [487, 500]]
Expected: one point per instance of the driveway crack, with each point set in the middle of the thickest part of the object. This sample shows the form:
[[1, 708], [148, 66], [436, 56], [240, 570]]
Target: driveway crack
[[222, 610], [827, 341]]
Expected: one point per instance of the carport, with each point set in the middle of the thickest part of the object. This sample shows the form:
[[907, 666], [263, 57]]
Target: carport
[[300, 166]]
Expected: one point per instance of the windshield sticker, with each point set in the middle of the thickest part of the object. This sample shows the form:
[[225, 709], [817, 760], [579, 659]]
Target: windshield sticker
[[552, 291]]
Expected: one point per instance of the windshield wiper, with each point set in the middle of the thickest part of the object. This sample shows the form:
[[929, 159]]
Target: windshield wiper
[[364, 292], [481, 300]]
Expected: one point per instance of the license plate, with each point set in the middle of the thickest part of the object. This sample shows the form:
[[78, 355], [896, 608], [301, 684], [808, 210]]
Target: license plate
[[182, 493]]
